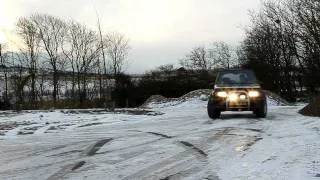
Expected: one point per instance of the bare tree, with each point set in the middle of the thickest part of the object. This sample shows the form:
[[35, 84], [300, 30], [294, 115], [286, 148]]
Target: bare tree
[[306, 14], [117, 52], [71, 53], [28, 32], [221, 54], [4, 69], [82, 52], [273, 46], [20, 80], [197, 59], [52, 32], [167, 68]]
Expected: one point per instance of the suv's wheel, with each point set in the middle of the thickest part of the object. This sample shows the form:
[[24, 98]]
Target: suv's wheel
[[261, 112], [212, 112]]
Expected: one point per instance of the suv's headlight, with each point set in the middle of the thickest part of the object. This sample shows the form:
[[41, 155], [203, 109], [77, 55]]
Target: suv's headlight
[[254, 93], [222, 94]]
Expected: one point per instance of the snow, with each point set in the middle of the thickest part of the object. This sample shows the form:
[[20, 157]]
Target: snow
[[181, 143]]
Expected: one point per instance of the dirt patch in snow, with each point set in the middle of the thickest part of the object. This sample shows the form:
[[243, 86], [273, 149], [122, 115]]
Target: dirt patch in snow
[[196, 93], [155, 99], [6, 127], [158, 99], [312, 109], [275, 99]]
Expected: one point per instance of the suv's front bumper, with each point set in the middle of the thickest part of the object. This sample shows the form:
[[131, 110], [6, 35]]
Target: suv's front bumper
[[250, 104]]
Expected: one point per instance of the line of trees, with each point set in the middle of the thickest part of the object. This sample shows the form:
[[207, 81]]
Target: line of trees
[[219, 55], [50, 45], [167, 81], [283, 46]]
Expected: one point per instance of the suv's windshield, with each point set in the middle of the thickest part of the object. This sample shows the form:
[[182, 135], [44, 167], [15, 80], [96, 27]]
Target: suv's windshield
[[236, 77]]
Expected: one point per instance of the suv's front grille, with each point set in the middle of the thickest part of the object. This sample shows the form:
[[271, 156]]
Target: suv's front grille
[[239, 103]]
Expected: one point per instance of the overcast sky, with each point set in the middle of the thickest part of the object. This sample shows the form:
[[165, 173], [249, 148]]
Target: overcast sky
[[160, 31]]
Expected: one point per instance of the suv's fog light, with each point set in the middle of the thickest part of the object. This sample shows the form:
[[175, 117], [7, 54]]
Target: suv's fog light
[[233, 97], [242, 97]]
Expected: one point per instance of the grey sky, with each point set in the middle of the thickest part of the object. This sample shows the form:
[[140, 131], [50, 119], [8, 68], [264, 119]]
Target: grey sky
[[160, 31]]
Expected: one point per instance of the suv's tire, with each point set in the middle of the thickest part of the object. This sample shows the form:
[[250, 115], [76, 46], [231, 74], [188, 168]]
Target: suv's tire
[[261, 112], [212, 112]]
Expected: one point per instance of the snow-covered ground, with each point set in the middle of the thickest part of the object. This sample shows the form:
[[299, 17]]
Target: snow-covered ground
[[174, 140]]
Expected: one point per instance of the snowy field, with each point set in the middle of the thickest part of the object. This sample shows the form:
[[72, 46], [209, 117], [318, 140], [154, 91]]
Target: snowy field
[[174, 140]]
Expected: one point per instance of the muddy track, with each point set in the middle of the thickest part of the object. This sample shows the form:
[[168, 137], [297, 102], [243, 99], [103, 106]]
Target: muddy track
[[255, 130], [184, 173], [193, 147], [252, 139], [251, 143], [160, 134], [90, 124], [66, 170], [95, 147], [170, 165], [78, 165], [62, 172], [133, 146], [180, 165]]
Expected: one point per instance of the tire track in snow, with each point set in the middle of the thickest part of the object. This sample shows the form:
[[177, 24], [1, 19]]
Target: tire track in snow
[[170, 165], [95, 147], [160, 134], [206, 145], [63, 171], [43, 129], [184, 143], [178, 173], [78, 165], [130, 147], [182, 164], [91, 151], [193, 147]]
